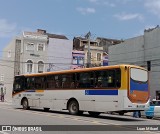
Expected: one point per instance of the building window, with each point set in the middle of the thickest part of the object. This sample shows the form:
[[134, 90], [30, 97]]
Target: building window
[[9, 53], [81, 61], [74, 60], [90, 54], [40, 47], [30, 46], [2, 77], [29, 66], [98, 56], [40, 67]]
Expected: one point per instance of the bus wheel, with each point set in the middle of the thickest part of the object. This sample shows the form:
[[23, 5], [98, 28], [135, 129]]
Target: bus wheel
[[121, 113], [25, 104], [46, 109], [73, 107], [94, 114], [149, 117], [80, 112]]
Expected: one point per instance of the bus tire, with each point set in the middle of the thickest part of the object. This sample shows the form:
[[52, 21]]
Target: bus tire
[[46, 109], [121, 113], [149, 117], [94, 114], [25, 104], [73, 107], [80, 112]]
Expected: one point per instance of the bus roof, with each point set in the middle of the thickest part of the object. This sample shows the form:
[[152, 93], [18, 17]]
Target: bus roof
[[82, 70]]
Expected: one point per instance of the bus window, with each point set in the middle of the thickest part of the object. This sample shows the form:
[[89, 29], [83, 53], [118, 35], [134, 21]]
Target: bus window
[[108, 78], [86, 80], [30, 83], [73, 83], [118, 78], [39, 82], [68, 81], [50, 82], [58, 81], [111, 78], [100, 79]]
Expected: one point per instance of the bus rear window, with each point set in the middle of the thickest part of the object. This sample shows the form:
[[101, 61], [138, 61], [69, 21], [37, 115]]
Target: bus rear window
[[139, 75]]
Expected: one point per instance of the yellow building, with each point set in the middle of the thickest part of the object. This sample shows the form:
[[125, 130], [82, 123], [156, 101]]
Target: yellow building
[[96, 50]]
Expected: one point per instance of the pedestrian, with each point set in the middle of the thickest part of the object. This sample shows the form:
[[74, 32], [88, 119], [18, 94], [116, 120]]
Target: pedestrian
[[2, 94], [136, 114], [139, 114]]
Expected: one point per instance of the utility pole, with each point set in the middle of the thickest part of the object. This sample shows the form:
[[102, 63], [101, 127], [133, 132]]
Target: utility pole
[[89, 50]]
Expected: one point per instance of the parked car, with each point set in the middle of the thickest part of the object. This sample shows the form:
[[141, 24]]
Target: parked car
[[154, 109]]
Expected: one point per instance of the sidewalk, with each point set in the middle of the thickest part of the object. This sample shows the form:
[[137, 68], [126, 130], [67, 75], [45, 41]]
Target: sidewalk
[[6, 102]]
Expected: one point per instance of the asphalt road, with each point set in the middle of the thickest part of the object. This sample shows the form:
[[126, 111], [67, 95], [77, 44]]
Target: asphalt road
[[64, 123]]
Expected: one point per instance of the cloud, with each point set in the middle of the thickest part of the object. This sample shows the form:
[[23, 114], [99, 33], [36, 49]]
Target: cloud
[[102, 2], [124, 1], [109, 4], [126, 16], [153, 6], [6, 29], [85, 11], [93, 1]]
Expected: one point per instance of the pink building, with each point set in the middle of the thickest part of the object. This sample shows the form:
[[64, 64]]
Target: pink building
[[77, 59]]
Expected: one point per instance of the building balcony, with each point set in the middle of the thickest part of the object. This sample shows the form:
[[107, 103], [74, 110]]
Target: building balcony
[[94, 48]]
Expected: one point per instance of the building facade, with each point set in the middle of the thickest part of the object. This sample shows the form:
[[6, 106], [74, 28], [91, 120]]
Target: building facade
[[33, 52], [143, 51], [77, 59], [96, 51], [59, 54], [106, 42]]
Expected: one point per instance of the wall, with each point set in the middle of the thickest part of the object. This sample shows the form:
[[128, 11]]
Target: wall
[[35, 55], [130, 51], [152, 53], [138, 51], [7, 69], [94, 50], [59, 54]]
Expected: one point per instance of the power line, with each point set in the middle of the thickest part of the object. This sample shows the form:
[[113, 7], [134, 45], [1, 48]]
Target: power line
[[136, 50]]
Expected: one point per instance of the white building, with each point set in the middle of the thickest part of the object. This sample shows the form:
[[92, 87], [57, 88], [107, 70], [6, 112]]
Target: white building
[[33, 52], [59, 54]]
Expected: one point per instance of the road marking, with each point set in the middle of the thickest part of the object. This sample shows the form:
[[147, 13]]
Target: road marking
[[61, 116], [71, 118]]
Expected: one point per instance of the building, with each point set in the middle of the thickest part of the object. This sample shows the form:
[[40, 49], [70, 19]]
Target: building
[[144, 51], [33, 52], [96, 51], [59, 51], [98, 48], [106, 42], [78, 59], [105, 59], [59, 54]]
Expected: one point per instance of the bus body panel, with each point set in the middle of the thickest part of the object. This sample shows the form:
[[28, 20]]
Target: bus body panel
[[89, 99], [57, 100]]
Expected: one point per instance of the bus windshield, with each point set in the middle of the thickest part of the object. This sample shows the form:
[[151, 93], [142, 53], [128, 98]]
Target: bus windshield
[[139, 75], [138, 85], [18, 83]]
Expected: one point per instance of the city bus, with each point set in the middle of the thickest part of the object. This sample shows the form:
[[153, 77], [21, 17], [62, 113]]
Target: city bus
[[118, 88]]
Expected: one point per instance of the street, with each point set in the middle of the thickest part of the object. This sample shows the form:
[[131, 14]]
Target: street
[[12, 116]]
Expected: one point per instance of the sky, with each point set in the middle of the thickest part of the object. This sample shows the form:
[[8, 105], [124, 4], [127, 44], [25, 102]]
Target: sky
[[116, 19]]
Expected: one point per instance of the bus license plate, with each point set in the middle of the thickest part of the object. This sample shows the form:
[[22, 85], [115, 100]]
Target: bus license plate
[[140, 106]]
